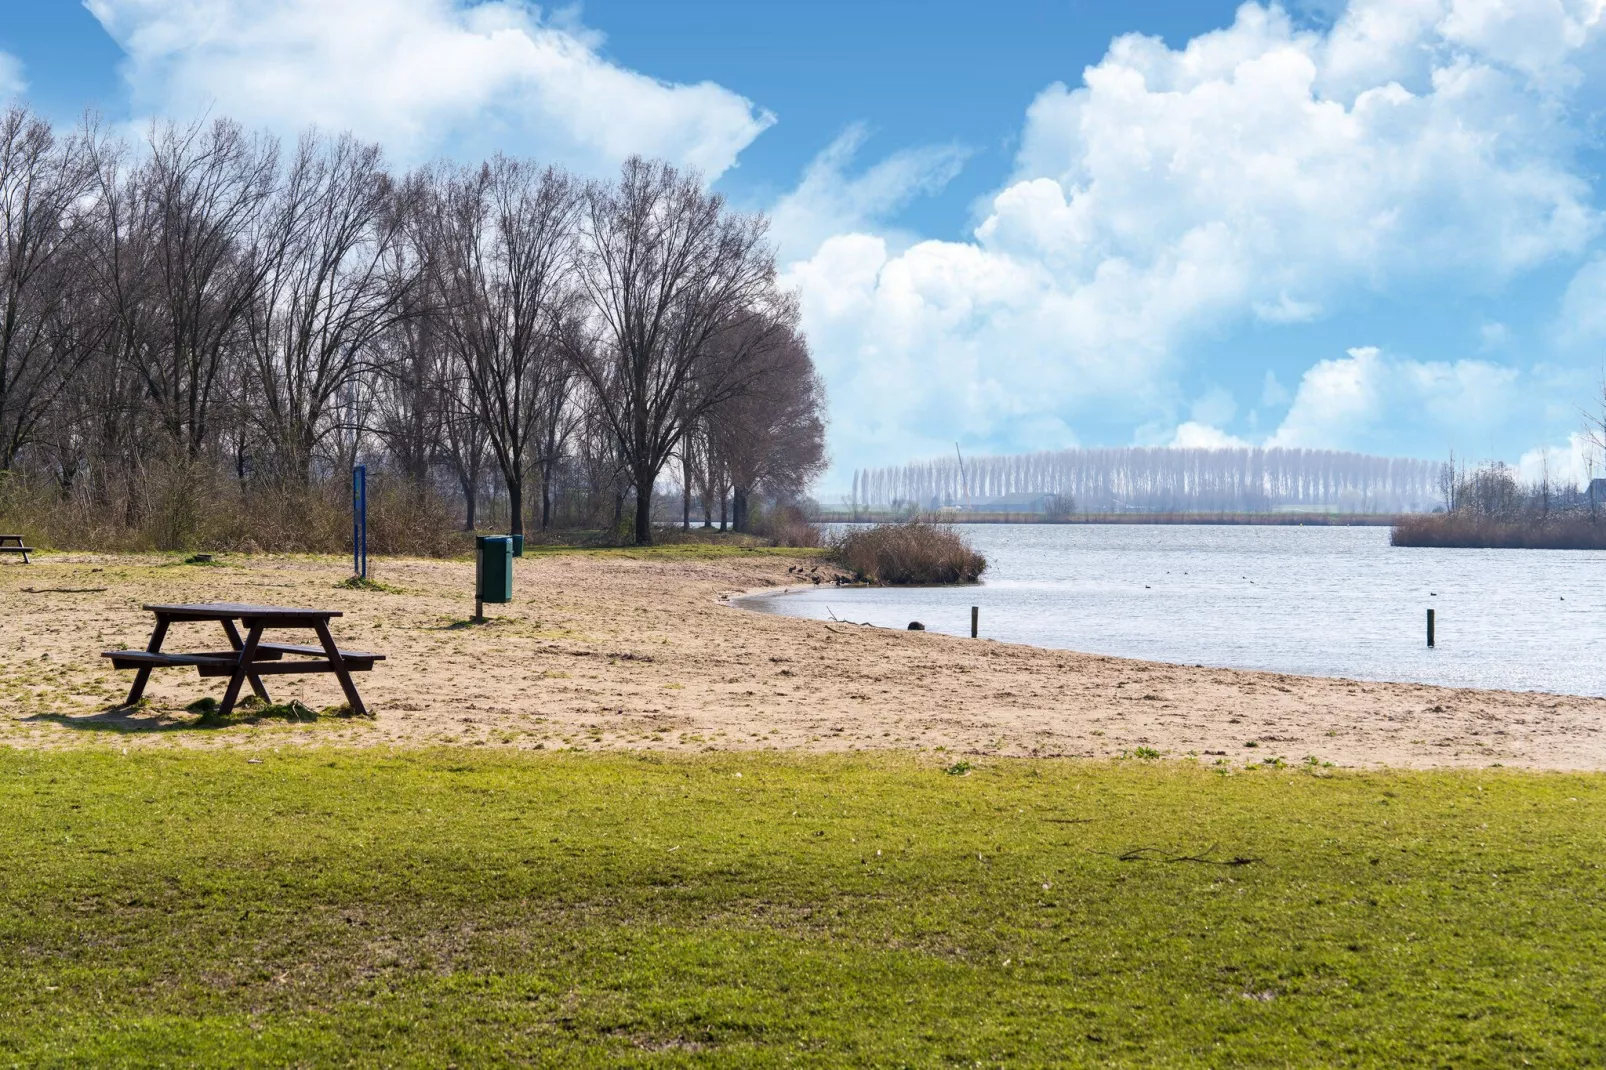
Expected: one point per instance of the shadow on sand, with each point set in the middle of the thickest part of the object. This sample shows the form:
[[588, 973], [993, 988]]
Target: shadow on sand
[[137, 718], [141, 718]]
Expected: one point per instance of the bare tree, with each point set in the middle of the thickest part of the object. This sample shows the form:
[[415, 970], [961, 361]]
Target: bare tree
[[412, 394], [335, 274], [465, 441], [184, 244], [504, 240], [45, 333], [668, 270], [557, 417], [771, 435]]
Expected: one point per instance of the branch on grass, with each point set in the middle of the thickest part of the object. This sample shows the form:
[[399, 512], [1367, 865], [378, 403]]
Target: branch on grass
[[1153, 854]]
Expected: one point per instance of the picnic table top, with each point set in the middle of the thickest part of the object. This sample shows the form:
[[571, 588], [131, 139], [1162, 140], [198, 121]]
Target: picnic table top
[[233, 610]]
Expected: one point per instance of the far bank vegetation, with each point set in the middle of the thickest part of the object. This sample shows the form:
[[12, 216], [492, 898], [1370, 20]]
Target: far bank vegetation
[[1490, 508], [915, 552]]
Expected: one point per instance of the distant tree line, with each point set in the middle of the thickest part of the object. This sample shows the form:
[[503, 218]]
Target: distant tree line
[[1158, 479], [211, 310], [1490, 507]]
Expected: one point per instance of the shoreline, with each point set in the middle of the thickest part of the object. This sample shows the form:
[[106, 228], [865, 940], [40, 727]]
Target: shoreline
[[642, 653], [766, 594], [1314, 519]]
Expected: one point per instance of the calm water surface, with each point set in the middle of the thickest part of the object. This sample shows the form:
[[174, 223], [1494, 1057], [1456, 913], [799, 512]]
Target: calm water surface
[[1315, 601]]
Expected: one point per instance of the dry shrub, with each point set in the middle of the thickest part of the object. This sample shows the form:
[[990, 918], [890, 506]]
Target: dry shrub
[[406, 519], [912, 552], [1466, 530], [180, 507], [786, 525], [177, 495]]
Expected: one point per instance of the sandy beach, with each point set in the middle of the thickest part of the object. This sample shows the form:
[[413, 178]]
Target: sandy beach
[[624, 650]]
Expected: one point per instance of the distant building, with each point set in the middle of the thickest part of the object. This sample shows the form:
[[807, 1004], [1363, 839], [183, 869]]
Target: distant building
[[1597, 491]]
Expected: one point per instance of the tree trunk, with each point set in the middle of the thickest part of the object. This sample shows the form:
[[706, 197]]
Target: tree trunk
[[469, 495], [546, 495], [515, 505], [644, 508], [723, 499], [739, 509]]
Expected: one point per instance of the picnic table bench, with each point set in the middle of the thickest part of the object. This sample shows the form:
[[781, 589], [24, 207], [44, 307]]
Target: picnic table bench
[[249, 659], [12, 544]]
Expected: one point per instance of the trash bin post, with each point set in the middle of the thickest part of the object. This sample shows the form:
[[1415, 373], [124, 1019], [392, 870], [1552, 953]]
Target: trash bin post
[[493, 572]]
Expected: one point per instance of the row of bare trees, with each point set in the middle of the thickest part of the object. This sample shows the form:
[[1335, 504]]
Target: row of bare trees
[[207, 300], [1159, 479]]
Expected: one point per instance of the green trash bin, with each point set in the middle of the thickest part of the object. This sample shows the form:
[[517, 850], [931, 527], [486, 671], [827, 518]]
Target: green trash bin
[[493, 571]]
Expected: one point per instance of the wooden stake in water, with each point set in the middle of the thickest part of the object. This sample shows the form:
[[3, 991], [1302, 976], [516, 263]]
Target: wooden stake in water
[[975, 613], [1430, 629]]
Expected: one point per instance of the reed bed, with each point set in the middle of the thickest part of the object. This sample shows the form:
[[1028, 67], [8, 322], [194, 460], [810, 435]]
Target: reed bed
[[910, 553], [1470, 531]]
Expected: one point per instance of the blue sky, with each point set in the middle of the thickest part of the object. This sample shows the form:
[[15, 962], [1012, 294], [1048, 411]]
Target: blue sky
[[1373, 226]]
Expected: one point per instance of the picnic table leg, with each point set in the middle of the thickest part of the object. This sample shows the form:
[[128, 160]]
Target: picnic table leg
[[247, 652], [144, 673], [255, 679], [341, 673]]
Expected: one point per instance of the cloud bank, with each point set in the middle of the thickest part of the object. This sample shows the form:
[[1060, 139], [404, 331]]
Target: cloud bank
[[1262, 172], [422, 77]]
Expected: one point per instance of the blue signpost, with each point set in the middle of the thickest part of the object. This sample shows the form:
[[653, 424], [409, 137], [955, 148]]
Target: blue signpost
[[359, 520]]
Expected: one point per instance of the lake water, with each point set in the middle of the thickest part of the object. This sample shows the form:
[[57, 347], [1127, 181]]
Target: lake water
[[1309, 600]]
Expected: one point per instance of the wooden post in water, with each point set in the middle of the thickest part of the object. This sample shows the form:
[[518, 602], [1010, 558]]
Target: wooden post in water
[[975, 613], [1430, 629]]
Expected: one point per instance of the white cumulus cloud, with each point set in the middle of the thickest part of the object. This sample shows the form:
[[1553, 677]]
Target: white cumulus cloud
[[1583, 305], [830, 200], [1572, 464], [1367, 402], [11, 81], [1273, 393], [1260, 171], [422, 77], [1193, 435]]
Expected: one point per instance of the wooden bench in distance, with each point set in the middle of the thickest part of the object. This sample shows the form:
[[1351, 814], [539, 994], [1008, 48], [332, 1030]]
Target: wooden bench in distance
[[12, 544]]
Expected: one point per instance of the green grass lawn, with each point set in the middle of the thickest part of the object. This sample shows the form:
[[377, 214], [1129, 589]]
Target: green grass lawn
[[431, 908]]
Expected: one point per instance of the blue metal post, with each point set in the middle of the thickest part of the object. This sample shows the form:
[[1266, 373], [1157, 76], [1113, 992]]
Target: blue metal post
[[359, 520]]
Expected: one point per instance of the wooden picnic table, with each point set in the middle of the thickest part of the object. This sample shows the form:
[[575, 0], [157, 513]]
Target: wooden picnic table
[[249, 659], [12, 544]]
